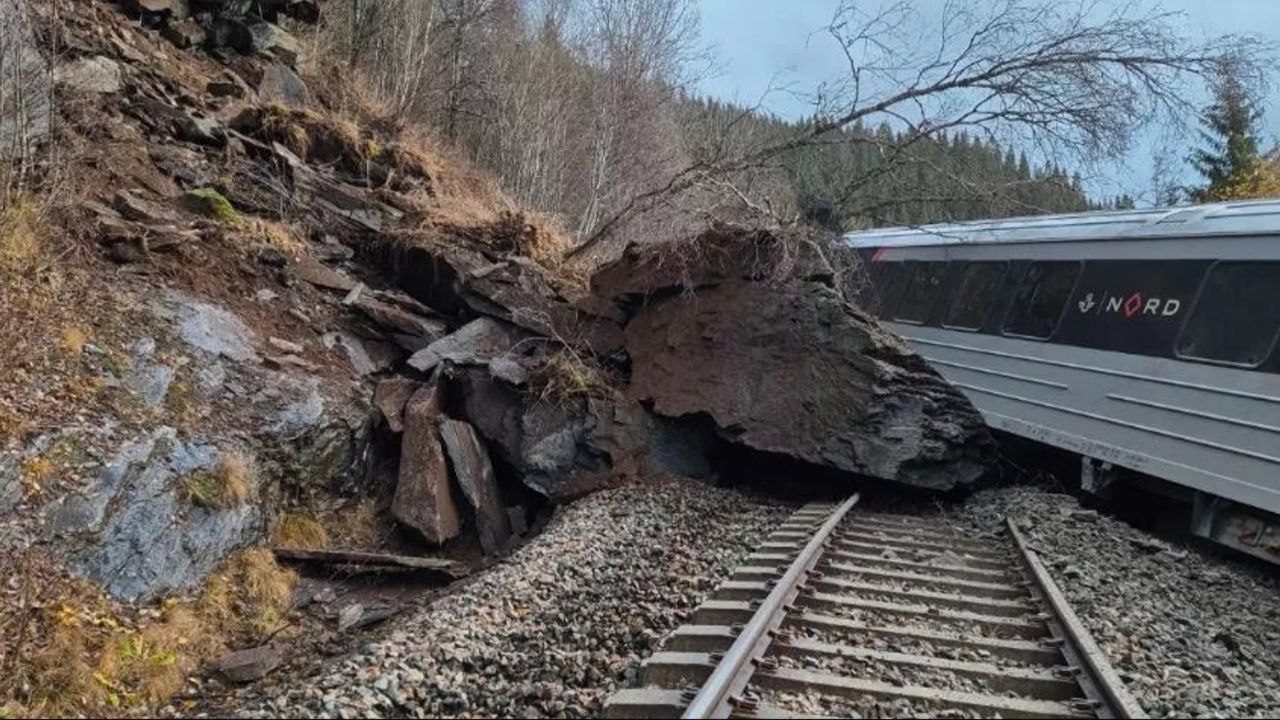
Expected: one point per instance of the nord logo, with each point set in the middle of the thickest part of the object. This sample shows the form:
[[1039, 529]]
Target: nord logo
[[1130, 305]]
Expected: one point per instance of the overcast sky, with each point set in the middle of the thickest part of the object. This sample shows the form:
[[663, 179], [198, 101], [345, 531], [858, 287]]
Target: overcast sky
[[762, 41]]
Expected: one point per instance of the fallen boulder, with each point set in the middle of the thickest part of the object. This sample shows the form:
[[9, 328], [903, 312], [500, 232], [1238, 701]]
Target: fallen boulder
[[760, 336], [475, 474], [477, 343], [245, 666], [424, 500]]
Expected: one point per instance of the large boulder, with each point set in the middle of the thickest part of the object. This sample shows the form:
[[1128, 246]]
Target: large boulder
[[424, 499], [758, 334], [474, 471]]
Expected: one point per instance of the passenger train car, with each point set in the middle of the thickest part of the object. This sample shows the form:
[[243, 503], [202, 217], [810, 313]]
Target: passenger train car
[[1144, 340]]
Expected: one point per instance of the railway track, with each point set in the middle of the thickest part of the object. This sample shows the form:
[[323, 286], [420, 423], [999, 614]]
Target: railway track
[[843, 613]]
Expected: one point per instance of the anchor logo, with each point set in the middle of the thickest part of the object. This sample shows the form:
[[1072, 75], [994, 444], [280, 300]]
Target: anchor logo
[[1087, 304]]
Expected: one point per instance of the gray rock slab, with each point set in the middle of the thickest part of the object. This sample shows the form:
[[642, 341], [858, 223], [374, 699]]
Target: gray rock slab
[[474, 472], [214, 329], [475, 343]]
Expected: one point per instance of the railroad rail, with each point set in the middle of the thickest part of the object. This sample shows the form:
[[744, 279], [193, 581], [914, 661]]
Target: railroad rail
[[850, 613]]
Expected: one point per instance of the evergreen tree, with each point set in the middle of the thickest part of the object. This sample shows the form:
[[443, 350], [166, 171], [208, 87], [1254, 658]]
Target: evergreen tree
[[1230, 156]]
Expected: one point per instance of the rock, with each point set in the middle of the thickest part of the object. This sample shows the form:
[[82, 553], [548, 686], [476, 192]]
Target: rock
[[323, 276], [185, 34], [285, 346], [424, 498], [245, 666], [519, 525], [790, 367], [25, 120], [509, 370], [168, 9], [281, 85], [366, 357], [226, 89], [349, 616], [203, 131], [96, 74], [474, 472], [135, 533], [396, 319], [390, 397], [139, 209], [250, 36], [214, 329], [150, 381], [475, 343]]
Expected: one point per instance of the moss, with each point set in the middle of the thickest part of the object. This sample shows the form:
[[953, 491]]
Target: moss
[[213, 204]]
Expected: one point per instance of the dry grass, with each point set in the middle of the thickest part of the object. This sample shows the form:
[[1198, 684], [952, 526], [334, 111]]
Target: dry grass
[[226, 485], [279, 237], [565, 376], [24, 250], [67, 650], [301, 532], [72, 340]]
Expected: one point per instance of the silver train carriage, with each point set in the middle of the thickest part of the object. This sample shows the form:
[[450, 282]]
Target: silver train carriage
[[1144, 340]]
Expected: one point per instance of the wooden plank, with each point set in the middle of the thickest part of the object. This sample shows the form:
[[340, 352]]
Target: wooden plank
[[371, 560]]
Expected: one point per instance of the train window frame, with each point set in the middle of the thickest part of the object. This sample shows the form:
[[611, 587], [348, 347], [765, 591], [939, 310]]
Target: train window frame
[[943, 266], [1195, 305], [996, 297], [888, 297], [1012, 292]]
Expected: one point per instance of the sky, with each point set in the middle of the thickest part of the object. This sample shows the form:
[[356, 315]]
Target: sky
[[759, 44]]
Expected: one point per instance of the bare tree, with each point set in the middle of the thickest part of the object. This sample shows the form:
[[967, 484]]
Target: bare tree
[[1070, 80], [25, 112]]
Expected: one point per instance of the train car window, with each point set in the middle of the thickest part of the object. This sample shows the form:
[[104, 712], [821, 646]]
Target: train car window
[[975, 296], [1040, 298], [920, 292], [1236, 318], [886, 281]]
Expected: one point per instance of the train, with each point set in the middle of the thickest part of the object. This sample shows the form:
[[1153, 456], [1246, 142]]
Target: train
[[1143, 341]]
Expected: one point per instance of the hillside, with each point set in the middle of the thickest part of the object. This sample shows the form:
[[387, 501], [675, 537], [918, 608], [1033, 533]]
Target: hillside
[[255, 317]]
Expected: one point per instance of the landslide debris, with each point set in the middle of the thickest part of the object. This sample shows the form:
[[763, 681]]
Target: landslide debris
[[759, 332]]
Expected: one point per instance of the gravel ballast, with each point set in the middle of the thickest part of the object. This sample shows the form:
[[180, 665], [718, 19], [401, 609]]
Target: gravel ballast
[[1191, 632], [556, 628]]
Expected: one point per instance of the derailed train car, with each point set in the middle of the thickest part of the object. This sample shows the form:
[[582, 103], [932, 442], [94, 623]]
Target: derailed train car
[[1145, 341]]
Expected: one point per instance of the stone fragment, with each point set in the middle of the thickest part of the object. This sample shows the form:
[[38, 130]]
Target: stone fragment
[[394, 319], [390, 397], [474, 472], [214, 330], [281, 84], [285, 346], [508, 369], [475, 343], [203, 131], [323, 276], [245, 666], [96, 74], [424, 497], [185, 34], [225, 89], [349, 616]]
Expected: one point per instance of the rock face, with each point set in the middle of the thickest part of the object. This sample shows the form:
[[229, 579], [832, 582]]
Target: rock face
[[791, 367], [145, 536], [424, 499], [474, 471]]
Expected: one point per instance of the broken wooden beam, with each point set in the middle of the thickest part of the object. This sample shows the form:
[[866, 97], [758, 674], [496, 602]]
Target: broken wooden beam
[[371, 561]]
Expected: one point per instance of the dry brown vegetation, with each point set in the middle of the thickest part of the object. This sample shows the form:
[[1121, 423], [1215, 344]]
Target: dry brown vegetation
[[69, 650], [300, 531]]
